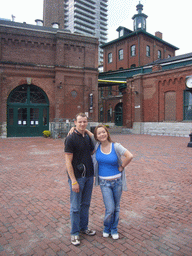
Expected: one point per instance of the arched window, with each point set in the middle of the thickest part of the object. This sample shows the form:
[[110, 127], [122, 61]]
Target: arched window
[[147, 50], [28, 94], [133, 50], [110, 57], [159, 54], [121, 54], [133, 66]]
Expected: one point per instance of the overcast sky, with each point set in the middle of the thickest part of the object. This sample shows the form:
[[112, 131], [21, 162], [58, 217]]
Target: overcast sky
[[172, 18]]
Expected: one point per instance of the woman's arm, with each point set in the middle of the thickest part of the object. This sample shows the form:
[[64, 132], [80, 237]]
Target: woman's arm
[[89, 133], [128, 157], [71, 131]]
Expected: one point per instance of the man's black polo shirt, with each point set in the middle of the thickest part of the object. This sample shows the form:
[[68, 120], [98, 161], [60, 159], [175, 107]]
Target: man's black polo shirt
[[81, 148]]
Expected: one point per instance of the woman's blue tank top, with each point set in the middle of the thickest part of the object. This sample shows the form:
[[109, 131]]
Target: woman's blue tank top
[[108, 163]]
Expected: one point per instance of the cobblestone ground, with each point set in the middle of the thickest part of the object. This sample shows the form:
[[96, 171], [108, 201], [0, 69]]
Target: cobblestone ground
[[156, 211]]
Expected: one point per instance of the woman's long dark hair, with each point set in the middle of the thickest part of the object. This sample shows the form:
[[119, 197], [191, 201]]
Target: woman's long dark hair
[[102, 126]]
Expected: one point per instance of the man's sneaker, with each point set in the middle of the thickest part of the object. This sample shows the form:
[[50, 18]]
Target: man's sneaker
[[105, 234], [115, 236], [75, 240], [89, 232]]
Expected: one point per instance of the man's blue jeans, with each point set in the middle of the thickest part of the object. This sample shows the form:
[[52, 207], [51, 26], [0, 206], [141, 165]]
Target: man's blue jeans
[[111, 191], [80, 203]]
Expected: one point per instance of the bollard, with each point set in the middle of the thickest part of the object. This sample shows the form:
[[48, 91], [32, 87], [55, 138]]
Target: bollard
[[190, 143]]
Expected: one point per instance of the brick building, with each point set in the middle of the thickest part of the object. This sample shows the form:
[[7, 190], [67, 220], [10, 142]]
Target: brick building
[[136, 48], [46, 74], [143, 86], [83, 17]]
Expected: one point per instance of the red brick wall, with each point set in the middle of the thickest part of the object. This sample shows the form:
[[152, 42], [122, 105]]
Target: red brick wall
[[51, 60], [151, 90], [140, 41], [28, 50]]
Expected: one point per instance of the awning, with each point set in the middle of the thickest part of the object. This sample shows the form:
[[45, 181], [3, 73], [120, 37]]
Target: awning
[[104, 83]]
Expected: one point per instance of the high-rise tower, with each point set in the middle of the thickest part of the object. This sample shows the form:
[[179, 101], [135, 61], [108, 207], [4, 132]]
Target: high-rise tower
[[87, 17]]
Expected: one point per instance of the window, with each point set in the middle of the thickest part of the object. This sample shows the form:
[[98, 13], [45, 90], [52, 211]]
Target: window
[[109, 90], [110, 57], [147, 50], [169, 56], [159, 54], [19, 95], [37, 95], [101, 115], [144, 24], [139, 23], [121, 54], [187, 105], [34, 117], [108, 116], [133, 50], [121, 33], [101, 91], [22, 116], [133, 66]]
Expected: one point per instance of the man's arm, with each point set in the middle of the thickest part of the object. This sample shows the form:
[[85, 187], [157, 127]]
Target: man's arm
[[70, 170]]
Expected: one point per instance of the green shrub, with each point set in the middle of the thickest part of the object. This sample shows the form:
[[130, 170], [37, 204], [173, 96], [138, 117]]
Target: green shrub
[[46, 133]]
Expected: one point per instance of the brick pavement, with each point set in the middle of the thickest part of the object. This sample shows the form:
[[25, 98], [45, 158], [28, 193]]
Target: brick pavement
[[156, 211]]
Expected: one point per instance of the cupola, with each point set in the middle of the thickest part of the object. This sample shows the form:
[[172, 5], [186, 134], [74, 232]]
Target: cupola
[[139, 20]]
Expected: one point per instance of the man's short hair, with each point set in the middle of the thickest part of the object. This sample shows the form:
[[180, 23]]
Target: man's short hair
[[80, 114]]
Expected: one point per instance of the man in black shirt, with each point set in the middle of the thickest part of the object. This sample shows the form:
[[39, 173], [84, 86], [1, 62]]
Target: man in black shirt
[[78, 150]]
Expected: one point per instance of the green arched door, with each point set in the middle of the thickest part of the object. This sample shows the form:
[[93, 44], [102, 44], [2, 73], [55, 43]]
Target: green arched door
[[27, 112], [119, 114]]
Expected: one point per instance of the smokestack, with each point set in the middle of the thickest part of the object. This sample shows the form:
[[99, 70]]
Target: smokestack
[[159, 34], [39, 22], [55, 25]]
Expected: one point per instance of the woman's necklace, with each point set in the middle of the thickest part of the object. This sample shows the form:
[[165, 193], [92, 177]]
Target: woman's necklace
[[106, 148]]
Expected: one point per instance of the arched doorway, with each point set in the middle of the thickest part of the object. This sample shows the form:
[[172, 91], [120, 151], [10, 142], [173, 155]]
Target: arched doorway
[[27, 112], [119, 114]]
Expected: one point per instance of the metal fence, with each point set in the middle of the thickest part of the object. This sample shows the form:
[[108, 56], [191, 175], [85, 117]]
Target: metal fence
[[60, 127]]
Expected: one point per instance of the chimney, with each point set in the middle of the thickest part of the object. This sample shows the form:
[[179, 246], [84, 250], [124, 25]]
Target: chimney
[[13, 17], [159, 34], [39, 22], [55, 25], [156, 67]]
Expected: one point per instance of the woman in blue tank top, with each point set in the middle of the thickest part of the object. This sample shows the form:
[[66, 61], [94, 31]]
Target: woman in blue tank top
[[109, 172]]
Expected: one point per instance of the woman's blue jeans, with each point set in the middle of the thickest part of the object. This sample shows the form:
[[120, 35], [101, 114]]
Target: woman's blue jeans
[[80, 203], [111, 191]]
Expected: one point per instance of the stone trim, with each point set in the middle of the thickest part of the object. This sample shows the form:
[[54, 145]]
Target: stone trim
[[180, 129]]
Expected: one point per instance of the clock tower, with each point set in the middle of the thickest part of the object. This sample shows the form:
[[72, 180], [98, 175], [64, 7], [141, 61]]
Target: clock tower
[[139, 20]]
